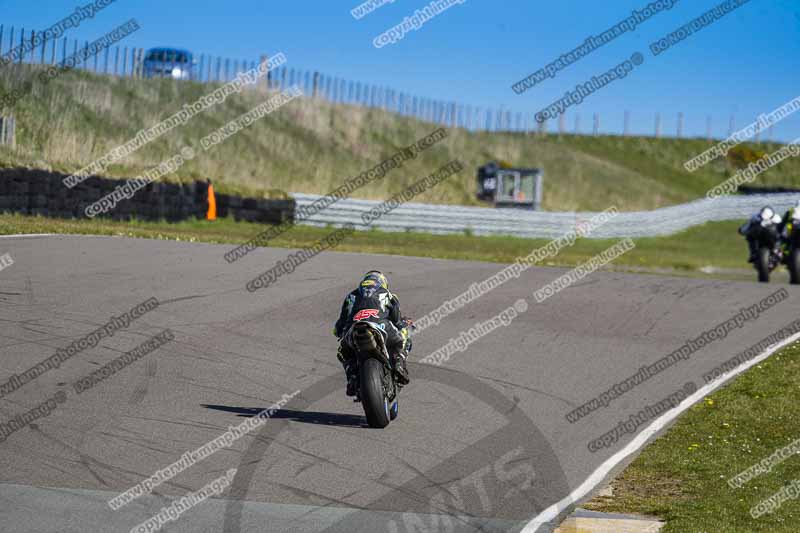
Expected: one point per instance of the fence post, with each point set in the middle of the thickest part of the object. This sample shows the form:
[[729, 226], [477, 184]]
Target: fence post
[[680, 124], [263, 59], [44, 48], [11, 43], [1, 39], [596, 126], [561, 119], [21, 45], [731, 125], [708, 128], [116, 61], [125, 62], [658, 125], [542, 128], [33, 46], [141, 63]]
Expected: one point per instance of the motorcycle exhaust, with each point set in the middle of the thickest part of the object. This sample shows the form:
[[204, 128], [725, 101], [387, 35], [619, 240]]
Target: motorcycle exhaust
[[364, 339]]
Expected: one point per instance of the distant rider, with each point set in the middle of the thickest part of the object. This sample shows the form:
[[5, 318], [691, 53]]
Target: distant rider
[[766, 219], [790, 220], [373, 302]]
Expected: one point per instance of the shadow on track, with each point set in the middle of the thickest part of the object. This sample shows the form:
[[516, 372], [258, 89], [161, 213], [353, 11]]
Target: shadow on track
[[306, 417]]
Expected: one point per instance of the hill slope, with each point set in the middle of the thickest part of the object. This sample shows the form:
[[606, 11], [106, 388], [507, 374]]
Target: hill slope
[[312, 146]]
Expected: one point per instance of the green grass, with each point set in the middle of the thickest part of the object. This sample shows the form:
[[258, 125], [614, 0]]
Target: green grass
[[713, 244], [312, 146], [682, 476]]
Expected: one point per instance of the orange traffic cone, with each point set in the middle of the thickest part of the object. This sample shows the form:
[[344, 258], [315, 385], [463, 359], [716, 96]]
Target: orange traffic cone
[[212, 203]]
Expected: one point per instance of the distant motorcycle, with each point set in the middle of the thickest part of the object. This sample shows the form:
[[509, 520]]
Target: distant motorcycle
[[791, 252], [768, 255], [377, 387]]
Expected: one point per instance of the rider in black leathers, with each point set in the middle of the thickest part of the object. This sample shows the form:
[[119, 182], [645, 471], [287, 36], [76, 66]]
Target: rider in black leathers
[[372, 301], [763, 225], [789, 222]]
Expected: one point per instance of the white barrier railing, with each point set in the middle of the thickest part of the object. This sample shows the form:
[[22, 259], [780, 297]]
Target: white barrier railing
[[432, 218]]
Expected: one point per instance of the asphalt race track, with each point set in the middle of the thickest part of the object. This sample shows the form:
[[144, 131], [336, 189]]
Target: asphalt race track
[[481, 442]]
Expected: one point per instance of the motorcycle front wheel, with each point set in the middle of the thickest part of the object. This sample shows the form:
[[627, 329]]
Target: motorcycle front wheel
[[762, 264]]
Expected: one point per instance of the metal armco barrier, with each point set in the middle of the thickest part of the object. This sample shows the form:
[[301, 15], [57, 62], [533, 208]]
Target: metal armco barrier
[[431, 218]]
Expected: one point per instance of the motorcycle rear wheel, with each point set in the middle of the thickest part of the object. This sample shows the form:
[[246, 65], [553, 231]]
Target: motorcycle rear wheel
[[794, 266], [373, 397]]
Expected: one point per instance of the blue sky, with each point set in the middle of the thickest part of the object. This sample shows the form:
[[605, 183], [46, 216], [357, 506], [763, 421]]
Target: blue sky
[[745, 63]]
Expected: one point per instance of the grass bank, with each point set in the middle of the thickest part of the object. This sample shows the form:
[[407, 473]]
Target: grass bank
[[312, 146], [682, 476]]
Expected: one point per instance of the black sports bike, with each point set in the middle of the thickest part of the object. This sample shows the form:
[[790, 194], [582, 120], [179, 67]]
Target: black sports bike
[[791, 252], [766, 255], [377, 387]]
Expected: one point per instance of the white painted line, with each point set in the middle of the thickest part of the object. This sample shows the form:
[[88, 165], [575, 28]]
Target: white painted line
[[21, 235], [658, 424]]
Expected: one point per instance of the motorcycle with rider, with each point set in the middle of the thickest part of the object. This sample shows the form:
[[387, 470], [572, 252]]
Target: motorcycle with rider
[[774, 240], [374, 345]]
